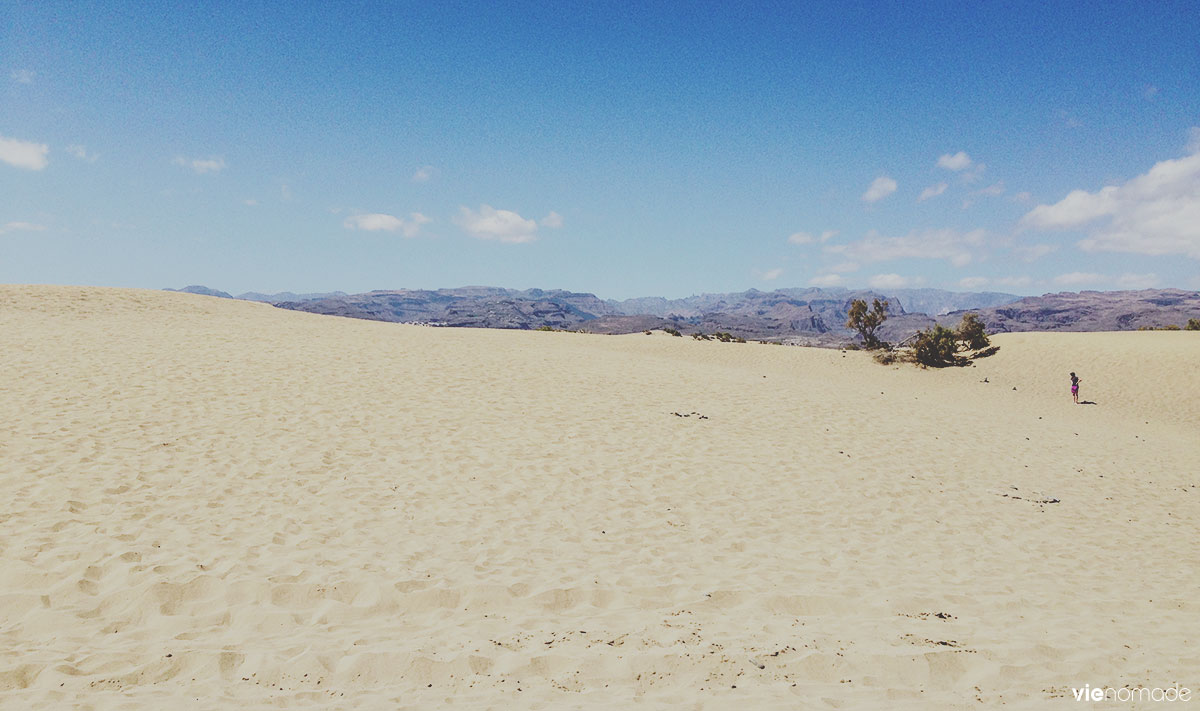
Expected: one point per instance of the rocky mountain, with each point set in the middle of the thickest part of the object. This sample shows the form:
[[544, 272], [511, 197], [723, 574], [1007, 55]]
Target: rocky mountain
[[925, 301], [287, 296], [803, 315], [809, 316], [203, 291], [936, 302], [1091, 311], [257, 296]]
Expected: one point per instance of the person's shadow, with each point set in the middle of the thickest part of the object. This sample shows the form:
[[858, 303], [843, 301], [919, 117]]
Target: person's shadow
[[1086, 402]]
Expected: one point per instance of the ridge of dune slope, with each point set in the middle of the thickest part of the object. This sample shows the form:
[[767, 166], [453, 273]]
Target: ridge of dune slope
[[224, 501]]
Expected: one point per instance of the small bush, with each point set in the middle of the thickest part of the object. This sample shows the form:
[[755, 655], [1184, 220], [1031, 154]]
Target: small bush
[[867, 321], [672, 331], [886, 356], [1193, 324], [700, 337], [545, 328], [851, 347], [725, 337], [936, 348], [971, 333]]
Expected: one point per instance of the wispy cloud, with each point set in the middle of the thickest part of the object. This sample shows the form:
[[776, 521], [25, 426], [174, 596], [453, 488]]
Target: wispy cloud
[[889, 281], [827, 280], [772, 274], [806, 238], [82, 153], [1137, 281], [21, 227], [958, 248], [380, 222], [993, 190], [880, 188], [500, 225], [201, 165], [423, 174], [932, 191], [1157, 213], [1010, 281], [1034, 252], [552, 221], [22, 76], [1150, 92], [956, 162], [23, 154], [1080, 279]]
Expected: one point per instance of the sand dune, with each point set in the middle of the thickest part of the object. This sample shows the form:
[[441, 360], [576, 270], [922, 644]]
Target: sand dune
[[210, 504]]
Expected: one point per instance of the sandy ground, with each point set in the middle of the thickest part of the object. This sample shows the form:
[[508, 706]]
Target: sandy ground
[[217, 504]]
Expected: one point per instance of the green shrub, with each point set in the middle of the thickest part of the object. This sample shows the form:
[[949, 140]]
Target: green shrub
[[1193, 324], [672, 331], [545, 328], [700, 336], [971, 333], [936, 348], [867, 321]]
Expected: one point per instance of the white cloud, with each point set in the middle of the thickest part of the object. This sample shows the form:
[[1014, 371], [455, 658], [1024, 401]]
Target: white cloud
[[1018, 281], [553, 220], [953, 246], [1157, 213], [932, 191], [888, 281], [845, 267], [379, 222], [992, 190], [973, 174], [201, 165], [1079, 278], [880, 188], [827, 280], [973, 282], [772, 274], [956, 162], [1193, 144], [1034, 252], [492, 224], [1023, 197], [285, 192], [81, 153], [22, 76], [21, 227], [1137, 281], [23, 154], [423, 174], [806, 238]]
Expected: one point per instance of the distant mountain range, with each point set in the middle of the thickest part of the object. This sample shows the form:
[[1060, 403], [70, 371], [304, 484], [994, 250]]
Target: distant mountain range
[[810, 316], [256, 296], [1091, 311]]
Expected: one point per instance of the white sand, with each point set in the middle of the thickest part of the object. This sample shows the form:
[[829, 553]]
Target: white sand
[[217, 504]]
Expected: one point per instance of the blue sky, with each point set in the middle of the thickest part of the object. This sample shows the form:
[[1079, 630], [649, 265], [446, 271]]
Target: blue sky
[[665, 149]]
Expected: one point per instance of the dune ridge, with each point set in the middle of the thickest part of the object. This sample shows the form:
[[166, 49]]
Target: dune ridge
[[219, 502]]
